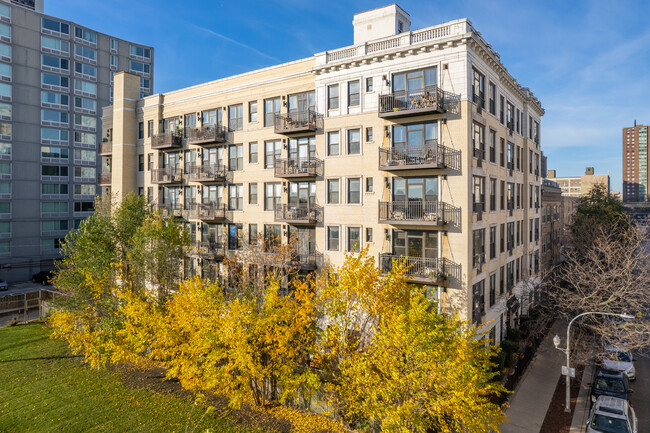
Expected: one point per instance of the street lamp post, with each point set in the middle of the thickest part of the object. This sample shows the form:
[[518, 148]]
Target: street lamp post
[[556, 342]]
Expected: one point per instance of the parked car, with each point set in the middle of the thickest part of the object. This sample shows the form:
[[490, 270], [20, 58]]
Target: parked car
[[610, 383], [620, 360], [43, 278], [3, 285], [612, 415]]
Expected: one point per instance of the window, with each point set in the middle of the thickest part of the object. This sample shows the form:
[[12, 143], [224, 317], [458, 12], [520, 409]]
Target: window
[[518, 120], [502, 102], [52, 98], [252, 234], [150, 128], [415, 82], [333, 141], [55, 26], [55, 44], [493, 195], [235, 197], [84, 103], [354, 142], [479, 194], [369, 184], [493, 98], [88, 121], [478, 247], [54, 62], [478, 89], [493, 242], [333, 191], [272, 151], [143, 68], [368, 234], [333, 97], [510, 116], [478, 301], [236, 117], [493, 146], [85, 52], [189, 123], [252, 152], [493, 291], [85, 138], [354, 191], [83, 155], [333, 238], [113, 61], [369, 137], [114, 44], [271, 196], [479, 141], [234, 236], [54, 116], [354, 239], [58, 135], [85, 87], [369, 84], [252, 111], [236, 157], [140, 130], [140, 51], [503, 152], [86, 35], [252, 193], [271, 108], [5, 50], [354, 89], [140, 162]]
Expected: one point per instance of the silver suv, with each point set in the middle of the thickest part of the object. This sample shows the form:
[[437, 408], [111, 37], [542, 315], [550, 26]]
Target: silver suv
[[612, 415], [620, 360]]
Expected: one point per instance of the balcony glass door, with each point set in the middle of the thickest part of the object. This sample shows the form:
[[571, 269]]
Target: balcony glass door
[[300, 104], [305, 240], [302, 194], [415, 143], [415, 244]]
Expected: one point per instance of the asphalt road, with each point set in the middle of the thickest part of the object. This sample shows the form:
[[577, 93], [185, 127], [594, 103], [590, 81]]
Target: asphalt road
[[641, 396]]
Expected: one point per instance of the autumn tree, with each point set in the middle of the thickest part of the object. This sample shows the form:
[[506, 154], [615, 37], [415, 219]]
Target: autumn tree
[[391, 359]]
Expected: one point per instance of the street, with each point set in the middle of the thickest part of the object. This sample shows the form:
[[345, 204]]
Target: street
[[641, 396]]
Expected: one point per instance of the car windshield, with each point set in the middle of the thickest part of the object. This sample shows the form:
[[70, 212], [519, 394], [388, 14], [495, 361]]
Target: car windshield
[[624, 356], [609, 384], [606, 424]]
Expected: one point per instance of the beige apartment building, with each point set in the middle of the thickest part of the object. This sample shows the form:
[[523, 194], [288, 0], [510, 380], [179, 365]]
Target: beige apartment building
[[577, 186], [415, 144]]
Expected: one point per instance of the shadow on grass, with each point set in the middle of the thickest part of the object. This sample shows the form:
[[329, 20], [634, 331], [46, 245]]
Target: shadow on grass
[[42, 358]]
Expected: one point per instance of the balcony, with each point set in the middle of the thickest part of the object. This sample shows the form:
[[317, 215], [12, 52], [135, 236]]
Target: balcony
[[208, 249], [298, 167], [402, 103], [165, 175], [307, 261], [166, 140], [208, 212], [299, 213], [420, 269], [106, 148], [207, 134], [296, 121], [208, 173], [167, 210], [427, 156], [431, 213], [104, 179]]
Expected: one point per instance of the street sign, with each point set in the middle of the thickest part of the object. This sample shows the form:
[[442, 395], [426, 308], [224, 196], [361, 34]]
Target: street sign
[[573, 371]]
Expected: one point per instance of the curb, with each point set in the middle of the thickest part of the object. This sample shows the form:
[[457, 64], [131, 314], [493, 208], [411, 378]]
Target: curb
[[581, 411]]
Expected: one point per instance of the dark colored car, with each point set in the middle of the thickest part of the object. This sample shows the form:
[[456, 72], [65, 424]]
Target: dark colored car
[[43, 278], [611, 383]]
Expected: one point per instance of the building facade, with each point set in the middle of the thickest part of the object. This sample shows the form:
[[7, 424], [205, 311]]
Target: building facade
[[55, 77], [557, 211], [577, 186], [635, 164], [418, 145]]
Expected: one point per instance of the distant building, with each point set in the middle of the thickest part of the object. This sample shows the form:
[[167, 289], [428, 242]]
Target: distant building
[[577, 186], [557, 210], [635, 164]]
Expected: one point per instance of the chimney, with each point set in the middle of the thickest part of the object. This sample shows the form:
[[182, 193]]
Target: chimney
[[380, 23], [551, 174], [589, 171]]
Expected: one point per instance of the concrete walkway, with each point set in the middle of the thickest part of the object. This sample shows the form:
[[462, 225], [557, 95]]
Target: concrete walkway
[[532, 396]]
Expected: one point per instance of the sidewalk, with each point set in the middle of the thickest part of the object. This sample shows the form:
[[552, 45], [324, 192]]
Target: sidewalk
[[581, 411], [532, 396]]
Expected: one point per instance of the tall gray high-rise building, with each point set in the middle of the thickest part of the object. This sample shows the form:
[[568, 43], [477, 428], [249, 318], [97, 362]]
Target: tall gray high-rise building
[[55, 77]]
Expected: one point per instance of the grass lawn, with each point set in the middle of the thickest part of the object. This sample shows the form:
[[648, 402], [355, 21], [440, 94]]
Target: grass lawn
[[45, 389]]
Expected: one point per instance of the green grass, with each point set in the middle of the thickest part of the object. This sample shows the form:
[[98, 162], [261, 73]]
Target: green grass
[[45, 389]]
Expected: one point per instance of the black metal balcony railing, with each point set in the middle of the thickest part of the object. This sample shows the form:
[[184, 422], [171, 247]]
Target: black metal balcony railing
[[479, 100], [296, 121], [308, 261], [170, 209], [416, 212], [299, 213], [207, 134], [434, 270], [479, 153], [104, 179], [208, 211], [106, 148], [429, 155], [210, 249], [165, 175], [298, 167], [479, 207], [430, 99], [208, 173], [166, 140]]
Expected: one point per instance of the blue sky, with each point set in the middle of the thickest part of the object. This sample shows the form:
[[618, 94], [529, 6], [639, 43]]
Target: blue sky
[[587, 61]]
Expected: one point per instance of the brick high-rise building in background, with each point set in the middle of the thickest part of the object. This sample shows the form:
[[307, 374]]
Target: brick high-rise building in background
[[55, 78], [635, 164], [416, 144]]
